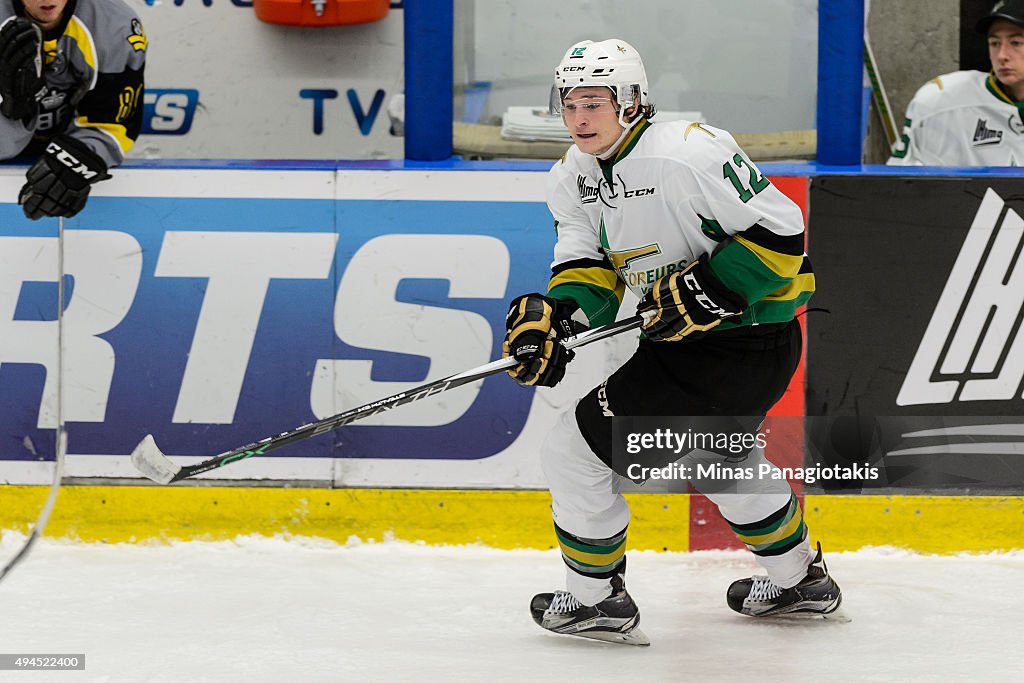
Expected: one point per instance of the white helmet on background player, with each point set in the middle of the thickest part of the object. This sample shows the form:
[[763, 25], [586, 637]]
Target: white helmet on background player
[[612, 63]]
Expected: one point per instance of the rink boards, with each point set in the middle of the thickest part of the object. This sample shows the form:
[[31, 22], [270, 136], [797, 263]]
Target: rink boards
[[212, 308], [215, 306]]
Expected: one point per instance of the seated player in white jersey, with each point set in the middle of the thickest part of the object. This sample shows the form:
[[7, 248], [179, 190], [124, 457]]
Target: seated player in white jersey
[[679, 214], [970, 118]]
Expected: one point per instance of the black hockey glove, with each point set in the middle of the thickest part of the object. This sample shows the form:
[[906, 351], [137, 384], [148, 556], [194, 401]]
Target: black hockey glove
[[534, 326], [688, 303], [59, 183], [21, 68]]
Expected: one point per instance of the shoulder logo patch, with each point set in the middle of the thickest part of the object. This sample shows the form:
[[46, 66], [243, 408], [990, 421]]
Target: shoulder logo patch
[[138, 39]]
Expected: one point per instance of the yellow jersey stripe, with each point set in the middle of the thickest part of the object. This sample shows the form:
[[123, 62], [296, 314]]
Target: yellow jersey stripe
[[602, 277], [792, 289], [79, 32], [627, 145], [115, 130], [783, 265]]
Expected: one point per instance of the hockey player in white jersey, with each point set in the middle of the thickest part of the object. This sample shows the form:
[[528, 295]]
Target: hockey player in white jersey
[[679, 214], [970, 118]]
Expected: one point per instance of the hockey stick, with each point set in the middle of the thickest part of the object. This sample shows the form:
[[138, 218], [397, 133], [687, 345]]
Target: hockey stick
[[879, 95], [60, 441], [152, 462]]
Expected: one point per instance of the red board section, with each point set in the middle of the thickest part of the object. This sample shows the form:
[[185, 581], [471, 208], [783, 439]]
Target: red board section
[[708, 530]]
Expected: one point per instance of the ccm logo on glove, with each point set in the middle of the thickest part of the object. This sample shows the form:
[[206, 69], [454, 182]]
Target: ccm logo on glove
[[693, 284], [59, 183], [534, 326], [71, 161], [688, 303]]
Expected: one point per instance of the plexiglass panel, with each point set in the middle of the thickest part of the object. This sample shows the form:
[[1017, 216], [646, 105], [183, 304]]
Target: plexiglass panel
[[749, 66]]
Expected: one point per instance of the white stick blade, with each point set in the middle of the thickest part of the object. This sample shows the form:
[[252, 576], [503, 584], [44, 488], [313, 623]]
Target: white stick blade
[[150, 460]]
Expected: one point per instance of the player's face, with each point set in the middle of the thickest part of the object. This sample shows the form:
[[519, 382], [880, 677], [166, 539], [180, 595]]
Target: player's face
[[45, 12], [592, 117], [1006, 50]]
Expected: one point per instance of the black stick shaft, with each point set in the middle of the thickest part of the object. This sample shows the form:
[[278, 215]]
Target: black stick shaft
[[423, 391]]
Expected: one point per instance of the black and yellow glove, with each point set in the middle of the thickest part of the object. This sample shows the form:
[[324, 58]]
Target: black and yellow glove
[[534, 326], [688, 303]]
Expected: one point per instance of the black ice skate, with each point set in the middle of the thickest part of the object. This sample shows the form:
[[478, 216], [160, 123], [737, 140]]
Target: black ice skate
[[758, 596], [614, 619]]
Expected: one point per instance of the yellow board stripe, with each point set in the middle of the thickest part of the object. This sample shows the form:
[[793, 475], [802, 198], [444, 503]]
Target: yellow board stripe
[[783, 265], [930, 524], [500, 519], [602, 277]]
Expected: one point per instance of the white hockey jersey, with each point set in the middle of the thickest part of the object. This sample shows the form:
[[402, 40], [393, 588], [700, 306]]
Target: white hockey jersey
[[961, 119], [673, 192]]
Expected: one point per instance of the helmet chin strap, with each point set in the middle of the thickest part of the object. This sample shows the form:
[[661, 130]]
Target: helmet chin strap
[[626, 127]]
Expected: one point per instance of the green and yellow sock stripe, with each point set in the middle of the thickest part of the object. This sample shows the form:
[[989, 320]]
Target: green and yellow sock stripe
[[776, 534], [597, 558]]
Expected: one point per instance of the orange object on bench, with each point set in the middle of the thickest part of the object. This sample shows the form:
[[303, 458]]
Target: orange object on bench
[[320, 12]]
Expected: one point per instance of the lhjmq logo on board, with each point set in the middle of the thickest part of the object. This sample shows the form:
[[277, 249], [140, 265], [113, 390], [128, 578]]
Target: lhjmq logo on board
[[973, 348]]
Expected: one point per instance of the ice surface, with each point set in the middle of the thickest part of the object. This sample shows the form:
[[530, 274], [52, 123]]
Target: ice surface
[[260, 609]]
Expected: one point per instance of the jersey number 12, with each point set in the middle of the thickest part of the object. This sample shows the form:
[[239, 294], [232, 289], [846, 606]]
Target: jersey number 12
[[757, 181]]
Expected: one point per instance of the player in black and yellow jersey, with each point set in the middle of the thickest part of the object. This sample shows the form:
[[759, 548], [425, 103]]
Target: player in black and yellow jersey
[[71, 87]]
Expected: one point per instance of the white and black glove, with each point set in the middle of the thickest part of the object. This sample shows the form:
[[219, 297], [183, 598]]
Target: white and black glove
[[688, 303], [534, 326], [59, 183], [21, 68]]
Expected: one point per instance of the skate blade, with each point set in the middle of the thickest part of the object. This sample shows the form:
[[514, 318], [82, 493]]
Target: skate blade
[[836, 614], [634, 637]]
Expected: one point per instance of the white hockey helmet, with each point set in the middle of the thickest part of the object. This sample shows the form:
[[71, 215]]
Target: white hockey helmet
[[612, 63]]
